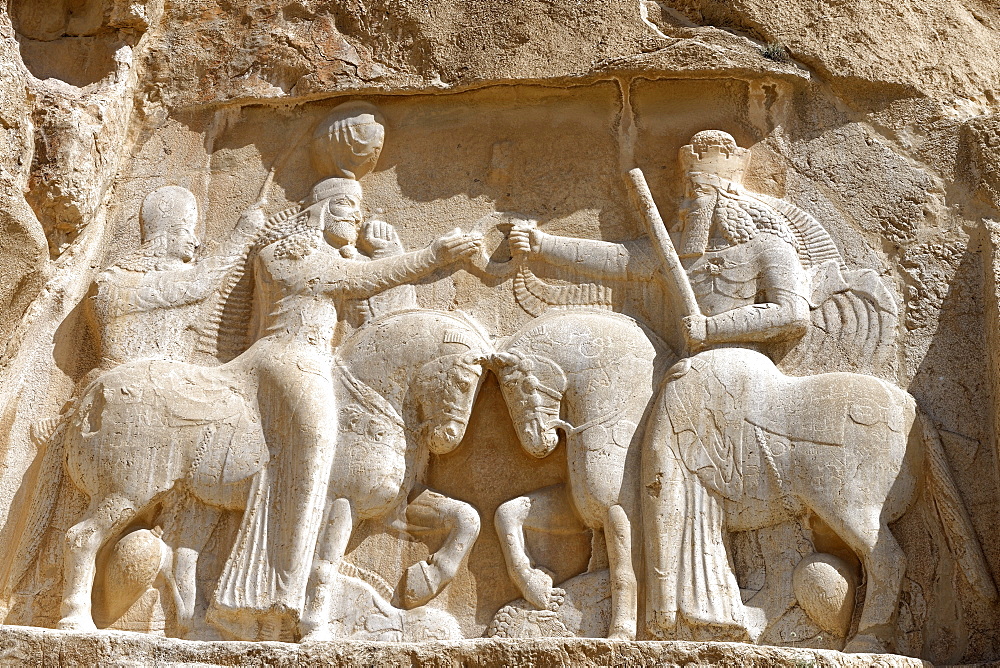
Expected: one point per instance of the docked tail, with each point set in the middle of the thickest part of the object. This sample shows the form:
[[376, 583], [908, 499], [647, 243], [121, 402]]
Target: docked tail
[[958, 529]]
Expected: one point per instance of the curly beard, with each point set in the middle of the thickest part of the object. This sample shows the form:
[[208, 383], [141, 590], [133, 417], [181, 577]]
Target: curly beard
[[697, 226]]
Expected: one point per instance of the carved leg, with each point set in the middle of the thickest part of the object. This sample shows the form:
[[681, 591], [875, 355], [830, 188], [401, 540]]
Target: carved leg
[[186, 530], [663, 515], [885, 564], [776, 597], [315, 622], [431, 511], [547, 510], [624, 589], [104, 519]]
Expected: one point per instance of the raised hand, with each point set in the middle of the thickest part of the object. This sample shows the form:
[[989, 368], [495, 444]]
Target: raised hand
[[457, 245], [252, 220], [379, 239]]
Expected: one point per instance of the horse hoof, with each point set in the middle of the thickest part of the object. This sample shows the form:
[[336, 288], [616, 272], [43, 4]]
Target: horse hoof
[[539, 592], [423, 582], [865, 644]]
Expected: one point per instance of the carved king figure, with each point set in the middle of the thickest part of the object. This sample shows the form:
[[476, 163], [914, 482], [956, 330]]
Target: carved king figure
[[301, 277]]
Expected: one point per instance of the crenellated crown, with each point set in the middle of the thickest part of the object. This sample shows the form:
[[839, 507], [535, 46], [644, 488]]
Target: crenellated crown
[[715, 152]]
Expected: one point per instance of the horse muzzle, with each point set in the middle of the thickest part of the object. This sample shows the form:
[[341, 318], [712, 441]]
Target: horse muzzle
[[446, 436]]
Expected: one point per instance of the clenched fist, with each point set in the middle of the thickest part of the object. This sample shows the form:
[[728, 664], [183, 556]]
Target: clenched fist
[[695, 331], [524, 239], [252, 221]]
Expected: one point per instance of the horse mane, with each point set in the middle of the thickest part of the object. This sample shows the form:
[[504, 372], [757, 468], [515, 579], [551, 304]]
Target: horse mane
[[658, 343], [459, 317]]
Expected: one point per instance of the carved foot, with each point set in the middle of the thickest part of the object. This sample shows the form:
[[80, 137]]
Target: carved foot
[[539, 592], [662, 625], [315, 621], [864, 643], [318, 634], [77, 623], [423, 582], [622, 634]]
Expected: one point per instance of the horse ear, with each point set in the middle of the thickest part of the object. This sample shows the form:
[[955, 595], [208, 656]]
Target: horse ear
[[504, 360]]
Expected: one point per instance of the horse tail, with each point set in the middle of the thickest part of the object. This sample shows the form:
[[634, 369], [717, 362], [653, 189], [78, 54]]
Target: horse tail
[[947, 503], [48, 436]]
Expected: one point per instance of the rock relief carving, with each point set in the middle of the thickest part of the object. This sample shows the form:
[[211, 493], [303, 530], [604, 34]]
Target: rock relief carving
[[328, 405], [591, 374], [303, 439], [731, 443], [141, 306]]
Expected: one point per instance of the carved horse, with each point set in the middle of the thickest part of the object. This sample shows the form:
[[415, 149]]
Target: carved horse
[[591, 374], [875, 453], [150, 434]]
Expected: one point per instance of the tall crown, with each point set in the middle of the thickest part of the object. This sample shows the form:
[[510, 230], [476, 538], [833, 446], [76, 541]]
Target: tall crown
[[715, 152], [163, 208]]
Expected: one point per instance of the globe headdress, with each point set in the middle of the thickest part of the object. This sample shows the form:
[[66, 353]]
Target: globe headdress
[[347, 143]]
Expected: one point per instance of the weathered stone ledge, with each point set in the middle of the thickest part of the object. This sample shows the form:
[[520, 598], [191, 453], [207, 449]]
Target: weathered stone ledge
[[21, 645]]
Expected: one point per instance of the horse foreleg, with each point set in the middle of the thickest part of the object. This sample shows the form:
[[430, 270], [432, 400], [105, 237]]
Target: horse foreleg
[[624, 589], [546, 510], [885, 564], [431, 511], [186, 531], [83, 540], [315, 622], [775, 598]]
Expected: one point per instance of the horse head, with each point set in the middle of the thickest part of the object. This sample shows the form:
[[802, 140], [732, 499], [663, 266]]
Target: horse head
[[447, 388], [533, 388]]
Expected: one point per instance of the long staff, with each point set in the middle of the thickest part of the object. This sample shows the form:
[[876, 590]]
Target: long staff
[[672, 266]]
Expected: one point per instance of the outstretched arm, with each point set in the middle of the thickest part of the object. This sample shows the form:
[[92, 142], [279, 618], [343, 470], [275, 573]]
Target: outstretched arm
[[595, 259], [364, 279], [234, 248]]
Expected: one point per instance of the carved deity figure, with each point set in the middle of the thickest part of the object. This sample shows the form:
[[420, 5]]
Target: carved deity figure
[[301, 278], [752, 291], [731, 442], [144, 306]]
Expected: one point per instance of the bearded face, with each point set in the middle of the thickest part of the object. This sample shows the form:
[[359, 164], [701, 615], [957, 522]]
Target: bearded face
[[342, 216], [696, 213]]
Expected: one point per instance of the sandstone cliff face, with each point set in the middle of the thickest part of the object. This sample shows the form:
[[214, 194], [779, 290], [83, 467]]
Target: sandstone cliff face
[[879, 118]]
